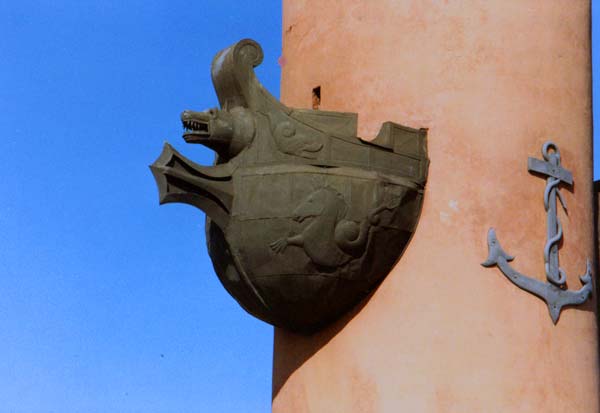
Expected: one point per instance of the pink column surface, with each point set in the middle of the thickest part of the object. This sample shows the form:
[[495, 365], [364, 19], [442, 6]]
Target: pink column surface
[[492, 80]]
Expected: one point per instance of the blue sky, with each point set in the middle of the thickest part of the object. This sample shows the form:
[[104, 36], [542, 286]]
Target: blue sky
[[108, 302]]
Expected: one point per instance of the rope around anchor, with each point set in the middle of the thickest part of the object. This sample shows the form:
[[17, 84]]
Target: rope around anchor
[[550, 187], [554, 240], [552, 183]]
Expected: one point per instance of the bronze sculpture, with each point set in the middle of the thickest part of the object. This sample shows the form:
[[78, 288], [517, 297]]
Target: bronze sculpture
[[304, 219]]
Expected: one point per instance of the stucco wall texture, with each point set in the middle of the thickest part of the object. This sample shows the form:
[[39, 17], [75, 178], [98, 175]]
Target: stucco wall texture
[[492, 80]]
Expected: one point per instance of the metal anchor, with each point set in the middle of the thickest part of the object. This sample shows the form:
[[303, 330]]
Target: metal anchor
[[554, 292]]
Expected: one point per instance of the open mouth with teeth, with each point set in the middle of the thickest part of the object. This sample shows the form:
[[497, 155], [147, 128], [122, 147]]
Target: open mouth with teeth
[[196, 126], [225, 132]]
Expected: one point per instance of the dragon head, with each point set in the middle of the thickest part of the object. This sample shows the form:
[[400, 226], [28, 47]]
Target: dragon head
[[227, 132]]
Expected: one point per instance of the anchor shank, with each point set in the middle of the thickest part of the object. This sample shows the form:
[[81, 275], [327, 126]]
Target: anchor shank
[[552, 271]]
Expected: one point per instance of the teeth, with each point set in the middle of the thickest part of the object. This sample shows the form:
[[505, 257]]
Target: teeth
[[193, 125]]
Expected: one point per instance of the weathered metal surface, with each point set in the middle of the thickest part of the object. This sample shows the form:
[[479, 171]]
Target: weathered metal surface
[[304, 218], [554, 292]]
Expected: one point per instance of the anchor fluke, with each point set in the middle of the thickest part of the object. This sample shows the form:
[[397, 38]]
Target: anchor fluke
[[495, 250], [587, 277]]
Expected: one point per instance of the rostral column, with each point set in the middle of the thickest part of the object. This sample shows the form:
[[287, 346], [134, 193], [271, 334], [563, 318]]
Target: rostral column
[[492, 81]]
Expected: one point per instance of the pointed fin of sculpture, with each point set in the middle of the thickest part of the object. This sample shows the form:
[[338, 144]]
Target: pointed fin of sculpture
[[181, 180]]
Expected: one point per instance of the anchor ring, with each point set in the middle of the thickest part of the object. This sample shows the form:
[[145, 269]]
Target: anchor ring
[[546, 147]]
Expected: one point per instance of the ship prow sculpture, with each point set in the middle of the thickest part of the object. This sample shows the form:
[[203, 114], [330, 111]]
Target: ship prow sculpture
[[303, 218]]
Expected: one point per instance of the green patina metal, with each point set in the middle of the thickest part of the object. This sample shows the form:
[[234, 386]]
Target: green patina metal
[[304, 218]]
